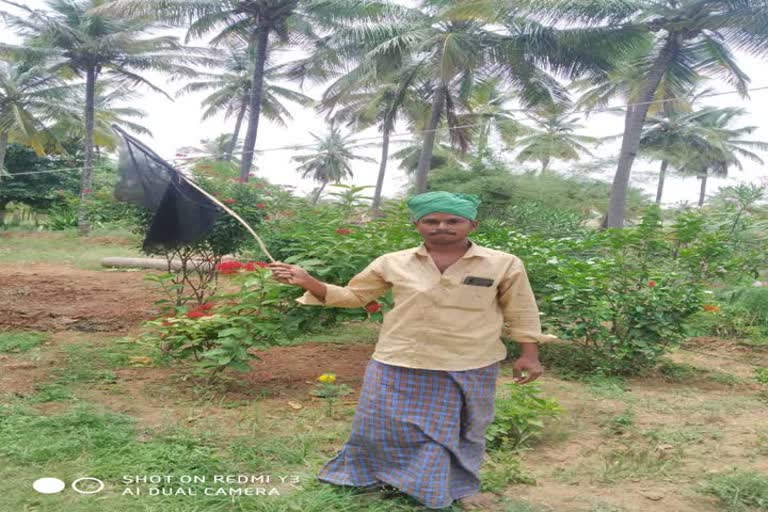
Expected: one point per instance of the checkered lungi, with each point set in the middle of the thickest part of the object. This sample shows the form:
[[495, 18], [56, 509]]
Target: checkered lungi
[[421, 431]]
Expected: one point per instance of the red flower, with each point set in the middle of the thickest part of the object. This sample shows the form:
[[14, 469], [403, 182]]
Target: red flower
[[651, 283], [343, 231], [206, 306], [196, 313], [229, 267], [251, 265], [229, 200], [373, 307], [261, 205]]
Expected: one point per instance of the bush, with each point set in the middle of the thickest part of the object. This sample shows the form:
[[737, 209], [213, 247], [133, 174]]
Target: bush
[[520, 417]]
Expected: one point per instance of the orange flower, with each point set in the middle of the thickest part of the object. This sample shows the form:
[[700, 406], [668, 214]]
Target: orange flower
[[711, 308], [651, 283]]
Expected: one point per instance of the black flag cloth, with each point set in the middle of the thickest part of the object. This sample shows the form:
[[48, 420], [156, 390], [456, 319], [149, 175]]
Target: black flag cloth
[[182, 214]]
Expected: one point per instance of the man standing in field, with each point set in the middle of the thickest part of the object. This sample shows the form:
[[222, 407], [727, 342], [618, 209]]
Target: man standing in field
[[428, 392]]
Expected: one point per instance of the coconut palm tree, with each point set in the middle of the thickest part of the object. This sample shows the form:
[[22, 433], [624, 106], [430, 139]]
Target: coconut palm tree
[[717, 145], [458, 43], [553, 137], [330, 160], [111, 107], [365, 100], [72, 39], [231, 93], [490, 111], [254, 21], [692, 36], [216, 149], [664, 138], [702, 143], [29, 99], [666, 131]]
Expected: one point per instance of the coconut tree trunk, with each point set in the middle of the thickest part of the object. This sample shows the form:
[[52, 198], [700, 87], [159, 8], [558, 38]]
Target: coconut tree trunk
[[236, 134], [254, 106], [544, 165], [319, 192], [86, 179], [662, 175], [482, 143], [425, 160], [3, 149], [382, 169], [703, 189], [633, 129]]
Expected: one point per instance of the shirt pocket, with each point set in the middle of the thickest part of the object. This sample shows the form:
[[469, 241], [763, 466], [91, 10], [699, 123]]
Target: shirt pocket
[[470, 297]]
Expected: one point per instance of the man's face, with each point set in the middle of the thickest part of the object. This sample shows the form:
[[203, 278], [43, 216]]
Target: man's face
[[444, 228]]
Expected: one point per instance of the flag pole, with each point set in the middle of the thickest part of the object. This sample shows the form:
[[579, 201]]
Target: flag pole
[[150, 153], [231, 212]]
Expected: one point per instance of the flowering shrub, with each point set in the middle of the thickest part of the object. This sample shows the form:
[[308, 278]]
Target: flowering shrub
[[226, 333], [201, 263]]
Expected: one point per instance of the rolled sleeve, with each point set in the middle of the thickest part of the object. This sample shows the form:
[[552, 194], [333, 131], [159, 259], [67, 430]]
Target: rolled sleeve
[[518, 304], [365, 287]]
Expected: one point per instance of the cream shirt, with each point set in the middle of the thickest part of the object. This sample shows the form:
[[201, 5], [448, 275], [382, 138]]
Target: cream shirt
[[439, 322]]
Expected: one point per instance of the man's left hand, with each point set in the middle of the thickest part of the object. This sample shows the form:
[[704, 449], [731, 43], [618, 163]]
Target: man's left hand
[[532, 368]]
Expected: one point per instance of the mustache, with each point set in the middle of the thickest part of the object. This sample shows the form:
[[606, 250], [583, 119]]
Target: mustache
[[442, 233]]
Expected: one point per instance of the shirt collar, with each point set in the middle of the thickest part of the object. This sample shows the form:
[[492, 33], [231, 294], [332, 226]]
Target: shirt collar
[[474, 250]]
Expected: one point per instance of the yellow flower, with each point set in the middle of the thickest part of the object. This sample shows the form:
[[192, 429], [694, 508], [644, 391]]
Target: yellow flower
[[328, 378]]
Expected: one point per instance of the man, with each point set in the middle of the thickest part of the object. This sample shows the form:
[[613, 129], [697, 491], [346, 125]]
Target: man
[[428, 392]]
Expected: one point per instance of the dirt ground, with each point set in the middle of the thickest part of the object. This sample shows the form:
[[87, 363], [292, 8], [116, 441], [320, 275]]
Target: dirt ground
[[79, 305], [46, 297]]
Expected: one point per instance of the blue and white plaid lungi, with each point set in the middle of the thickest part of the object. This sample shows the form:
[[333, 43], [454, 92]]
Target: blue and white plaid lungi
[[421, 431]]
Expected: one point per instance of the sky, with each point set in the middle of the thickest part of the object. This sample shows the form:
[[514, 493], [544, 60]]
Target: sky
[[176, 124]]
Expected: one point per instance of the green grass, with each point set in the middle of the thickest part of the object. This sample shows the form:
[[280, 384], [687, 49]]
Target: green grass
[[66, 247], [95, 361], [739, 491], [614, 388], [689, 435], [20, 341], [502, 469], [86, 441], [352, 332], [637, 462]]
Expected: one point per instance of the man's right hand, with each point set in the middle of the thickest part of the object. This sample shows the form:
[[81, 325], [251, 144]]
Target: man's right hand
[[290, 274]]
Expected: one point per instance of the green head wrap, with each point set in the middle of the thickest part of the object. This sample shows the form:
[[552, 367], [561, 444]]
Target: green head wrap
[[463, 205]]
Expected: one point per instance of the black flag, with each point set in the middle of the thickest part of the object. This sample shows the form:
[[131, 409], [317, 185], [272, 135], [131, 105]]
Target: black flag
[[182, 214]]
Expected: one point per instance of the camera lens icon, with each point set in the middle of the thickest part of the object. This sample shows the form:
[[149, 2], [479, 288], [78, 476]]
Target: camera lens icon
[[85, 485]]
